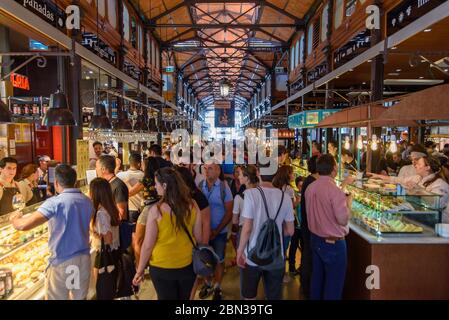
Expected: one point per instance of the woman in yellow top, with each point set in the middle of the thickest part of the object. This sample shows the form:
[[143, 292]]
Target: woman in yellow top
[[166, 244]]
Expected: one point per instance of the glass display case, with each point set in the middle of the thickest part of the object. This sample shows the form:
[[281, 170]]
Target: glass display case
[[388, 209], [23, 259], [300, 168]]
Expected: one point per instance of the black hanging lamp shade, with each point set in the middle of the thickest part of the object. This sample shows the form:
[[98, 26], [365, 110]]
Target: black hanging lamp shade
[[100, 119], [153, 126], [5, 114], [58, 114], [123, 123]]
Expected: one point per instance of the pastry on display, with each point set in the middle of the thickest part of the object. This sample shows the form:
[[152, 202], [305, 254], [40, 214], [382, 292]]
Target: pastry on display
[[376, 221], [28, 263]]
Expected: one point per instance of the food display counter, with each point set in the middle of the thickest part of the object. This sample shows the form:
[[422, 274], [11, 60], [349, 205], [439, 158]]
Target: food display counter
[[393, 250], [24, 259], [299, 169]]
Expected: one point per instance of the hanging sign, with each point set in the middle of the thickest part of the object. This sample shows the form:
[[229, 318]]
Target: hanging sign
[[225, 118], [46, 10], [20, 81], [407, 12], [317, 72], [91, 42], [352, 48]]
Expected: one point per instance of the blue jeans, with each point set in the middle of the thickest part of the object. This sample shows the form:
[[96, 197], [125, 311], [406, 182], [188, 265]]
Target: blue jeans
[[328, 268], [219, 245]]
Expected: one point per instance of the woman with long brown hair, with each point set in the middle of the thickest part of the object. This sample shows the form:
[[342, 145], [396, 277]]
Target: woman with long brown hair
[[284, 176], [167, 245], [105, 221]]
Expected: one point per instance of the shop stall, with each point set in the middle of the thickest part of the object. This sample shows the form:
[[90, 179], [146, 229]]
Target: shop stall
[[394, 251]]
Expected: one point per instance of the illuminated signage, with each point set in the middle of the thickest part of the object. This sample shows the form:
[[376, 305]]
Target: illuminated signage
[[20, 81]]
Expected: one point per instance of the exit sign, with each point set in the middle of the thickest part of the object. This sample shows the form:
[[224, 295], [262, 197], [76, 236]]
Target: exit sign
[[170, 69], [20, 81]]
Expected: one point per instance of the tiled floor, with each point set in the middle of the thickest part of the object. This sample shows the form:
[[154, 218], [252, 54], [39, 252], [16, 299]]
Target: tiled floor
[[231, 284]]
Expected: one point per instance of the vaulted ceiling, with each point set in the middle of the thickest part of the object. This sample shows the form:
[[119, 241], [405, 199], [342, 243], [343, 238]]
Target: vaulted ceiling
[[237, 40]]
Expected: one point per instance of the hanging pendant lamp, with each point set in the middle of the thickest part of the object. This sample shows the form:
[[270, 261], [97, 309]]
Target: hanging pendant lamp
[[5, 114], [100, 120], [59, 113]]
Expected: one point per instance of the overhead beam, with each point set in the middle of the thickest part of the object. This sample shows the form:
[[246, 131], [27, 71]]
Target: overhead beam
[[197, 26], [167, 12]]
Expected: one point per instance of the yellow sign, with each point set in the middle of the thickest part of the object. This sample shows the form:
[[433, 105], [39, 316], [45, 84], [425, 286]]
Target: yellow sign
[[82, 158], [125, 154]]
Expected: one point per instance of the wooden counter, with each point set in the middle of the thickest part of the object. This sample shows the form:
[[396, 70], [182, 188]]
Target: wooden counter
[[410, 267]]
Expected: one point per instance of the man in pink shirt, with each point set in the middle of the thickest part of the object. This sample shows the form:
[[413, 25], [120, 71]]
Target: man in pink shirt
[[328, 212]]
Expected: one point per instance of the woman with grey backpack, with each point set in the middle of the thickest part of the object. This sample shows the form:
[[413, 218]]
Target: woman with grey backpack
[[267, 212]]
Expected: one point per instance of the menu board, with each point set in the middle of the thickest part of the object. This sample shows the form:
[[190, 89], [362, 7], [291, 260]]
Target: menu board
[[82, 158]]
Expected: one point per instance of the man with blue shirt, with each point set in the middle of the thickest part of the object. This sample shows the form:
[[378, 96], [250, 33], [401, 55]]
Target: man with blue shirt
[[68, 215], [220, 200]]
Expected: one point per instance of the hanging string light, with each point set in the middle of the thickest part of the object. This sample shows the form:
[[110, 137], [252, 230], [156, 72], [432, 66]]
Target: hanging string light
[[374, 143], [393, 144], [360, 142], [347, 143]]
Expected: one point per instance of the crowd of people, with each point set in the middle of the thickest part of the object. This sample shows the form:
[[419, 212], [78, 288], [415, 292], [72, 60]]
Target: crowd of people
[[159, 212]]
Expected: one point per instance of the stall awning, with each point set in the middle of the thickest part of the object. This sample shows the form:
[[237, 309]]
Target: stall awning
[[362, 116], [428, 104]]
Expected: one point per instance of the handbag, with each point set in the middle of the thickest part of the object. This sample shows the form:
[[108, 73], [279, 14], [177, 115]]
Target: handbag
[[126, 271], [106, 285]]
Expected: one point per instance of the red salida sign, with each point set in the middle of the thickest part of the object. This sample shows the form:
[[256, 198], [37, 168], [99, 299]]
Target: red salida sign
[[20, 81]]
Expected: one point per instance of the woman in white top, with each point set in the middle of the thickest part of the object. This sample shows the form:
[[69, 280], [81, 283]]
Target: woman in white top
[[284, 176], [429, 168], [105, 220], [237, 219]]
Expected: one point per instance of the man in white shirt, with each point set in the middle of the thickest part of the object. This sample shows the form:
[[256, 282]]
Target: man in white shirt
[[255, 216], [98, 149], [131, 177]]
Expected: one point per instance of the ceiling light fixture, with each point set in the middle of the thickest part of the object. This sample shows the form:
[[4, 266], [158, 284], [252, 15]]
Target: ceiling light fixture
[[59, 113], [224, 87]]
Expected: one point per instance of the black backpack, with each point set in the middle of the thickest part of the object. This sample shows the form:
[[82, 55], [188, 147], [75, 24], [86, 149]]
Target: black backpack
[[268, 250]]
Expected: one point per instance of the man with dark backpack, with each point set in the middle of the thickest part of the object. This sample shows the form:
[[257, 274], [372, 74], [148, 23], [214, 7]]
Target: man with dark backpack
[[267, 211], [220, 200]]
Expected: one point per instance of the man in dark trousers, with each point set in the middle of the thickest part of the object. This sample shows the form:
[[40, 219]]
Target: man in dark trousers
[[306, 251]]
